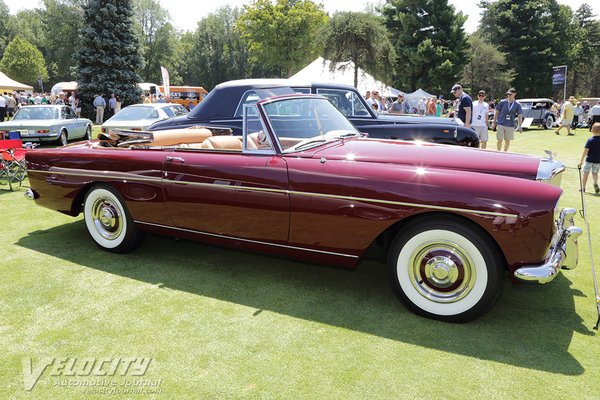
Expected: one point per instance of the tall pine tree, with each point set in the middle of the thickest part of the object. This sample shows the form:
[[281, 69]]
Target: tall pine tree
[[109, 53], [430, 42], [535, 35]]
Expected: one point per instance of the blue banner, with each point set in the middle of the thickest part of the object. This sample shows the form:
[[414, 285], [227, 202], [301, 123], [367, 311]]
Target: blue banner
[[559, 75]]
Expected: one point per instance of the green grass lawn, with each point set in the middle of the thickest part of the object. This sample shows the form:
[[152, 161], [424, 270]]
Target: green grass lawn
[[220, 324]]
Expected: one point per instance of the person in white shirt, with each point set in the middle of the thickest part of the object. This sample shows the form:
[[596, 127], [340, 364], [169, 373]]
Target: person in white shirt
[[595, 114], [480, 122]]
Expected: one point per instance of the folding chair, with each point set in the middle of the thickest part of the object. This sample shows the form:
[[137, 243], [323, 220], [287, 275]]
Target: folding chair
[[13, 169]]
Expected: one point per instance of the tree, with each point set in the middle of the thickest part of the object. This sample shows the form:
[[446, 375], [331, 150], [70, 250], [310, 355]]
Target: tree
[[488, 68], [534, 34], [219, 51], [283, 35], [158, 39], [62, 21], [583, 53], [360, 38], [5, 32], [23, 62], [109, 52], [430, 42]]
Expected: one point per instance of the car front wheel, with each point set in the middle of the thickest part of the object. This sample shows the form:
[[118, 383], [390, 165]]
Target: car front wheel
[[108, 221], [445, 269], [549, 123]]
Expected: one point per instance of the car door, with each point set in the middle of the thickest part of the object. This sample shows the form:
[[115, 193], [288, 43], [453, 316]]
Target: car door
[[75, 126], [228, 193]]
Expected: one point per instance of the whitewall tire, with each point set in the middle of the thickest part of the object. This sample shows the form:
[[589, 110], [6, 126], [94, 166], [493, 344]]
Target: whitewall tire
[[108, 220], [446, 269]]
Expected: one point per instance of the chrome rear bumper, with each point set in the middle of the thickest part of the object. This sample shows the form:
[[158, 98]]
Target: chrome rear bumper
[[563, 252]]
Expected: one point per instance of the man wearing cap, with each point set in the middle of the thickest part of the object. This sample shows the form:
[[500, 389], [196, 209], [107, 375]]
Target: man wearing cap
[[465, 105], [480, 111], [505, 114], [568, 112]]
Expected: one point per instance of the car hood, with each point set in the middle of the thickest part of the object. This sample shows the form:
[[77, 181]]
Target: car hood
[[140, 123], [408, 119], [427, 155]]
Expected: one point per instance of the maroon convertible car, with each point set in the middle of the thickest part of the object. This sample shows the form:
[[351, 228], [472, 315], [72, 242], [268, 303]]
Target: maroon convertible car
[[302, 182]]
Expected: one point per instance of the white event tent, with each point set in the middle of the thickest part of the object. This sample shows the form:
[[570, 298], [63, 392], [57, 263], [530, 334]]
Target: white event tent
[[413, 98], [7, 84], [319, 71]]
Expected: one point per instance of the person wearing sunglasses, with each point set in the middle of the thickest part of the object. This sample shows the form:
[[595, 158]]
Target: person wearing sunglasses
[[480, 122], [505, 114]]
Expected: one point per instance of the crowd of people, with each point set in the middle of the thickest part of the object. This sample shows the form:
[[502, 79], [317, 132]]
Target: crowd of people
[[10, 103], [507, 114]]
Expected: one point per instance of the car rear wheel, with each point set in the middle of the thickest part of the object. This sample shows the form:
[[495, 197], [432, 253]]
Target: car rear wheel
[[108, 221], [445, 269], [549, 123], [88, 133], [63, 139]]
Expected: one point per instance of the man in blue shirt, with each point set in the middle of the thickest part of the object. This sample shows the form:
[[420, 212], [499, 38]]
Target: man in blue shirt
[[505, 114], [99, 105], [464, 110]]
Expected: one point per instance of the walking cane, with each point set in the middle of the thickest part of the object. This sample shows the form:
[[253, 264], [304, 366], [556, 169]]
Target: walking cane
[[589, 235]]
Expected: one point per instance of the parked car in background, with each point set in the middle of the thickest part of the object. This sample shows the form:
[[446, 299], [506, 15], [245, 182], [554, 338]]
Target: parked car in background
[[223, 107], [139, 117], [301, 182], [48, 124], [539, 110]]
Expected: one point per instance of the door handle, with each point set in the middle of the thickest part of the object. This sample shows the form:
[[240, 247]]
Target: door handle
[[176, 160]]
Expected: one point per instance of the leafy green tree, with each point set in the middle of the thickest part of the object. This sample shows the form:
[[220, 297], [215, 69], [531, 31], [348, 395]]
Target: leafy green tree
[[583, 52], [108, 53], [430, 42], [23, 62], [219, 52], [6, 34], [488, 68], [534, 34], [158, 39], [62, 21], [283, 36], [362, 39]]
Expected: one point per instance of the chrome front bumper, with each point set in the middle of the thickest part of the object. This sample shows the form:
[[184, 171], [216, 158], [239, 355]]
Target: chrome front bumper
[[563, 252]]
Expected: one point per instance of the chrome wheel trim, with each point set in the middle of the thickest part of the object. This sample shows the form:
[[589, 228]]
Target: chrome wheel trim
[[441, 272], [465, 299], [107, 218]]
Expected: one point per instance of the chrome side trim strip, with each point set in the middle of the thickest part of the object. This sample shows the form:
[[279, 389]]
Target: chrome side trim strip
[[100, 174], [132, 177], [246, 240]]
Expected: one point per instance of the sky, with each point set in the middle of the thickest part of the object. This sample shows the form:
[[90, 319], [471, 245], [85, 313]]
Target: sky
[[186, 13]]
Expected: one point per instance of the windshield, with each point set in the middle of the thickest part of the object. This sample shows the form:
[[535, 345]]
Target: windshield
[[302, 123], [136, 113], [29, 112]]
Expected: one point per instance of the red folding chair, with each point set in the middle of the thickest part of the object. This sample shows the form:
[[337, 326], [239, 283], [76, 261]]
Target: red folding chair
[[13, 169]]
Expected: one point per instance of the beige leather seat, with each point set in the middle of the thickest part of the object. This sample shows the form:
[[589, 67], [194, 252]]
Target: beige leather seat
[[172, 137], [223, 143]]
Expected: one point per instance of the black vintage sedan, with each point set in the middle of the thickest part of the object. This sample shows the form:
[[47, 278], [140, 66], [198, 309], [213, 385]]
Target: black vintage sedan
[[224, 105]]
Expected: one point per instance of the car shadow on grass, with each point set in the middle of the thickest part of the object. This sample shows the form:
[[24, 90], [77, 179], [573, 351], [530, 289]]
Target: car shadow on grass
[[530, 327]]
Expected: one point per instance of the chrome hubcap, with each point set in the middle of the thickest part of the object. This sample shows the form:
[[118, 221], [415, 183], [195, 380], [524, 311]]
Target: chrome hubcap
[[107, 219], [442, 272]]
